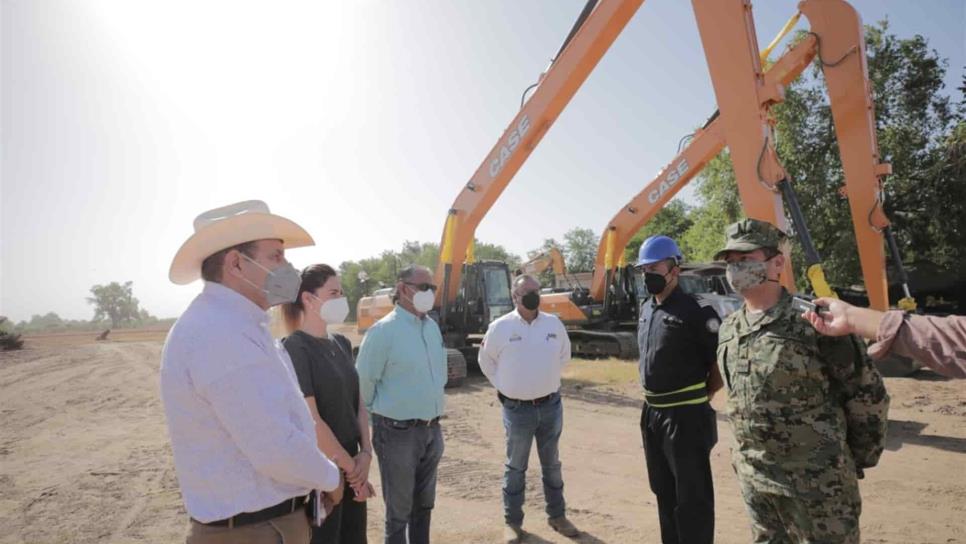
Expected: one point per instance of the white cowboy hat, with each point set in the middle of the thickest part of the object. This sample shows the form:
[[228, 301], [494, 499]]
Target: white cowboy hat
[[229, 226]]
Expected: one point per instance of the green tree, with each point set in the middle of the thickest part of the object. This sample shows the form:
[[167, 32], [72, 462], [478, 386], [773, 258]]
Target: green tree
[[920, 132], [717, 192], [382, 271], [48, 321], [494, 252], [547, 278], [547, 244], [145, 318], [114, 301], [377, 272], [581, 246], [916, 125], [424, 254], [673, 220], [9, 340]]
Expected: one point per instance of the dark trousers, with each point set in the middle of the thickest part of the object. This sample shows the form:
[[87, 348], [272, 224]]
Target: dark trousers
[[408, 457], [346, 524], [677, 447]]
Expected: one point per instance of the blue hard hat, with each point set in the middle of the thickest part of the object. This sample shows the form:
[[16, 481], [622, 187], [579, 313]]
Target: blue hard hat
[[658, 248]]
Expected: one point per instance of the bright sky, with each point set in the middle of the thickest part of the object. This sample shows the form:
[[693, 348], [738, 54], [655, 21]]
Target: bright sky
[[123, 120]]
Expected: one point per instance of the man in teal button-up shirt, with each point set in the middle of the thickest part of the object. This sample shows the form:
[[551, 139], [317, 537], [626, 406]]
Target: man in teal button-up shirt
[[402, 371], [402, 366]]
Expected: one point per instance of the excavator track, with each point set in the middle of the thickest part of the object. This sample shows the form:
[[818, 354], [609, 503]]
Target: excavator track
[[598, 344]]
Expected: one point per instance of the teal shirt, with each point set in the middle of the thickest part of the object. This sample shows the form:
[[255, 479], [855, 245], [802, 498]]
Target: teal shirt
[[402, 367]]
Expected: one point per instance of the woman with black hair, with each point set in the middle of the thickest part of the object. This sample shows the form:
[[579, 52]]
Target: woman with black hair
[[328, 379]]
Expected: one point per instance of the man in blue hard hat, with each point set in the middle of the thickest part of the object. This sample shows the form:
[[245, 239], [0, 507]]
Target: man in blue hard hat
[[677, 339]]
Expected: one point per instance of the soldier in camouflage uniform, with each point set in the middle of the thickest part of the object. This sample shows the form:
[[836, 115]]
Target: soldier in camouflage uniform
[[808, 412]]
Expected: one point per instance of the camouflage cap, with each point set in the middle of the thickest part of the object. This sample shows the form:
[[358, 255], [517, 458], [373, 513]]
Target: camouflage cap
[[749, 235]]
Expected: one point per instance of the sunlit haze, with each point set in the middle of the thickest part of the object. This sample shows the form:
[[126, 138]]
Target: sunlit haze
[[123, 120]]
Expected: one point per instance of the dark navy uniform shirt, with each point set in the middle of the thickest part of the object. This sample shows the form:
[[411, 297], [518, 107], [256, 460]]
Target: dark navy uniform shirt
[[677, 340]]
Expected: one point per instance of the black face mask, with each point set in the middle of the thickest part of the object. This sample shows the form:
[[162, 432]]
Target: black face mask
[[531, 300], [654, 282]]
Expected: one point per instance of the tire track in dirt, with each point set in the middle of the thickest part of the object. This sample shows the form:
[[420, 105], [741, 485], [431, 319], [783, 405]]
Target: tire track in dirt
[[84, 458], [150, 485]]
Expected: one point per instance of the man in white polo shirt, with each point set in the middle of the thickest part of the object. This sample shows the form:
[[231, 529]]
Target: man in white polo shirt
[[243, 440], [522, 354]]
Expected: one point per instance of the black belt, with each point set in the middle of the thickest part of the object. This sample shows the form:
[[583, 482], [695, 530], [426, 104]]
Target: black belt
[[409, 423], [247, 518], [536, 402]]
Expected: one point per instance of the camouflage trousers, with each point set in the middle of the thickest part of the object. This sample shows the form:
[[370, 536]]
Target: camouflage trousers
[[777, 519]]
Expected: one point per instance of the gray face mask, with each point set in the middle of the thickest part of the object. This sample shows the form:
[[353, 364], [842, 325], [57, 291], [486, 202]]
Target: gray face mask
[[744, 275], [280, 286]]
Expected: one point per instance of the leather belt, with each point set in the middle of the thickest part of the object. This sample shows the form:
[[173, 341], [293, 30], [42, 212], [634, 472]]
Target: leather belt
[[409, 423], [247, 518], [535, 402]]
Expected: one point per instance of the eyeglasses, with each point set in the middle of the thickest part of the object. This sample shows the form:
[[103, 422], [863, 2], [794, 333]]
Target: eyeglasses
[[422, 286]]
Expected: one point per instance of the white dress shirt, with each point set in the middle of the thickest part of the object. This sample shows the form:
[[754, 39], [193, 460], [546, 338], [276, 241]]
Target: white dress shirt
[[242, 435], [523, 360]]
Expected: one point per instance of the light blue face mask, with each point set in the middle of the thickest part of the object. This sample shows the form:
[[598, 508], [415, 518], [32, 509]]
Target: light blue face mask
[[281, 285]]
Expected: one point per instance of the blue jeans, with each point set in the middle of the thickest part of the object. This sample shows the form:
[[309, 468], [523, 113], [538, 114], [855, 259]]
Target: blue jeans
[[408, 456], [523, 423]]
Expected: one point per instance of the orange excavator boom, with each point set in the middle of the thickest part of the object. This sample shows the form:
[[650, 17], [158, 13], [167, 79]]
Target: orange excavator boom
[[566, 74], [744, 97], [704, 146]]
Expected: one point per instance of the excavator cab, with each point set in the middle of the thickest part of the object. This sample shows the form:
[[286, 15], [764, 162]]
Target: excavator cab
[[484, 296], [623, 297]]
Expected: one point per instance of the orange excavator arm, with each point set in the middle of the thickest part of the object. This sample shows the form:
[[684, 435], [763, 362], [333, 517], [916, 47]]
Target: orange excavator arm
[[731, 48], [557, 261], [744, 93], [744, 97], [843, 60], [566, 74], [705, 145]]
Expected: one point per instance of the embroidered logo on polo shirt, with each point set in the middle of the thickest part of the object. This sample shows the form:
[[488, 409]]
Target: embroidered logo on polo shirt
[[551, 335], [673, 320], [515, 338]]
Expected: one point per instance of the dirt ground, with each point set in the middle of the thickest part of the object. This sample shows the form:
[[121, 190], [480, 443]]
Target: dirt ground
[[84, 455]]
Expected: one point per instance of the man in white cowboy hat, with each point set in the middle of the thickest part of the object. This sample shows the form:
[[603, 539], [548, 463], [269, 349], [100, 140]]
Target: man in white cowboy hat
[[243, 440]]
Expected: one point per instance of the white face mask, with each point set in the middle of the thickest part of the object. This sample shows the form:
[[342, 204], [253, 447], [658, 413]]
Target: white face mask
[[423, 300], [334, 310]]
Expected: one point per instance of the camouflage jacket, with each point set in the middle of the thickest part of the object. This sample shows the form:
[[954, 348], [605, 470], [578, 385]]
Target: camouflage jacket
[[807, 410]]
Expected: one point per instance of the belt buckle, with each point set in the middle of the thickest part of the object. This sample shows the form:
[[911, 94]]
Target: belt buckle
[[400, 424]]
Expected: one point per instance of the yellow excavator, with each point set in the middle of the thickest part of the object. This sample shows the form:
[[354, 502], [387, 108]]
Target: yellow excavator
[[543, 261], [552, 259], [474, 293]]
